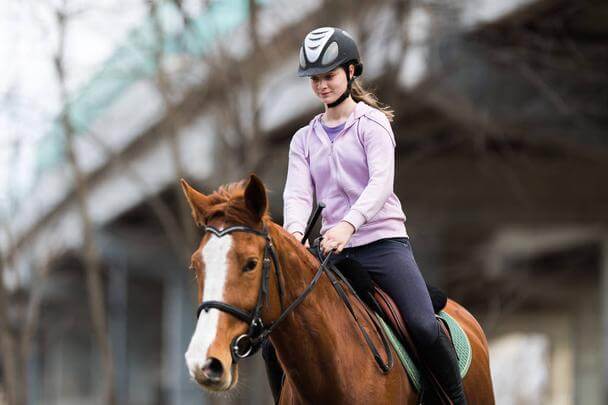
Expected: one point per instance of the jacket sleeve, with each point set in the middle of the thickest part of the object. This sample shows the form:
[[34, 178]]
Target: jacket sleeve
[[299, 187], [379, 144]]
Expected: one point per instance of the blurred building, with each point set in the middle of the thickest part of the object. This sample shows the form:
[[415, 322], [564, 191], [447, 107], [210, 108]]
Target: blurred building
[[501, 119]]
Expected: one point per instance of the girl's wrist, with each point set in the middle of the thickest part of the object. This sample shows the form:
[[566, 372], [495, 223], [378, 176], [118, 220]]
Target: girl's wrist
[[351, 226]]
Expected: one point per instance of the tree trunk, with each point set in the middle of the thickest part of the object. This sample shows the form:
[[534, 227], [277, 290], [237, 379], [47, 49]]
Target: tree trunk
[[13, 371], [91, 254]]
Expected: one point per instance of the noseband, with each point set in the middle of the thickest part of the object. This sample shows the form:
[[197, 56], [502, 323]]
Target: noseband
[[249, 343]]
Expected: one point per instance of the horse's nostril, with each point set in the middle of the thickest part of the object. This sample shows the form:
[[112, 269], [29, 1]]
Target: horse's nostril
[[213, 369]]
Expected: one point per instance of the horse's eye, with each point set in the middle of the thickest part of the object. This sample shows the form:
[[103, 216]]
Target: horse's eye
[[251, 265]]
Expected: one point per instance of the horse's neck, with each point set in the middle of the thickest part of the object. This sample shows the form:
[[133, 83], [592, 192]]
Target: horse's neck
[[297, 271], [318, 330]]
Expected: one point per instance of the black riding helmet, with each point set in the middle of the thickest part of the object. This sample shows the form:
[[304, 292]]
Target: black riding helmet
[[325, 49]]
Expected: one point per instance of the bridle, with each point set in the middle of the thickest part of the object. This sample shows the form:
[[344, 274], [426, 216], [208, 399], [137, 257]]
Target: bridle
[[249, 343]]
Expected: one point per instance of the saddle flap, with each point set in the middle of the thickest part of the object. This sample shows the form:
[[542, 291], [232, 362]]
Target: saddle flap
[[392, 315]]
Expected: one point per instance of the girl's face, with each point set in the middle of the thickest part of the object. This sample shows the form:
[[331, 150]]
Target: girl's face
[[329, 86]]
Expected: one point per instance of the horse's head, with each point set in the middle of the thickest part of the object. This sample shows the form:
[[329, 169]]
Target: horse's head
[[228, 269]]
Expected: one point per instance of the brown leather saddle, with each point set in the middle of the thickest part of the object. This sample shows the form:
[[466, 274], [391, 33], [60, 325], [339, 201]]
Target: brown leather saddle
[[390, 313]]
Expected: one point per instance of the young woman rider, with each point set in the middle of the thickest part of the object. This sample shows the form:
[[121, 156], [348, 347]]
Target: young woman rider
[[345, 157]]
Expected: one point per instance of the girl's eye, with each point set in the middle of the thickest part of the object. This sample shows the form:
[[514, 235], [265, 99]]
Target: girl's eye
[[251, 265]]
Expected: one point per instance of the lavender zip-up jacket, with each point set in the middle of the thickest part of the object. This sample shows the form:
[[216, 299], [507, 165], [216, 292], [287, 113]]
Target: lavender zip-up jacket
[[353, 176]]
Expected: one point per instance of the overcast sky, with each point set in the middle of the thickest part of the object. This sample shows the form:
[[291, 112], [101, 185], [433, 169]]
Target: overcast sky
[[28, 85]]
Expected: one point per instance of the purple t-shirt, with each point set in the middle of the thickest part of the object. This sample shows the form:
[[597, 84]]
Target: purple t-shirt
[[332, 132]]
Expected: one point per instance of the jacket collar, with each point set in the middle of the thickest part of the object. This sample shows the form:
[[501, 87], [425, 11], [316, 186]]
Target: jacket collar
[[359, 111]]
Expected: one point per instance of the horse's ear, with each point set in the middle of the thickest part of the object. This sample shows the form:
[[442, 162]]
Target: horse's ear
[[198, 202], [255, 197]]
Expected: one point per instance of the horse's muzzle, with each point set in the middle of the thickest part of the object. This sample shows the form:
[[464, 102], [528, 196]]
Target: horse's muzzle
[[212, 375]]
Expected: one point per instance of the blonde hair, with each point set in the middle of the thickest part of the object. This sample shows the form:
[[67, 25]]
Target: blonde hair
[[359, 93]]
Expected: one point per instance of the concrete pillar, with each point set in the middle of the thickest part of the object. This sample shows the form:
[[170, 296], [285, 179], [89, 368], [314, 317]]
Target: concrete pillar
[[588, 380], [179, 319], [118, 305], [172, 326]]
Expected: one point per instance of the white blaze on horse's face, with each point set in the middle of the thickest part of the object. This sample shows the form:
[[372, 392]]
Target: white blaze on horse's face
[[215, 256]]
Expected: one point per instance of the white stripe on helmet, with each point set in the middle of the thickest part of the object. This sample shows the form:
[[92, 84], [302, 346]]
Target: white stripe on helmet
[[315, 41]]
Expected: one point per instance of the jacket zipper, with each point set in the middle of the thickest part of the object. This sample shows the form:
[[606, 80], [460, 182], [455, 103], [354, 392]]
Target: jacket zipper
[[338, 177]]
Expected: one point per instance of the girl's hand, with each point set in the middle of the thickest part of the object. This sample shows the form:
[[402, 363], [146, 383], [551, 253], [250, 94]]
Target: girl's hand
[[299, 236], [337, 237]]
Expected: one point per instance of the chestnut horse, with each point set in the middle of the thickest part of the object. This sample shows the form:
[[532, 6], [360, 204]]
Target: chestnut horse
[[320, 347]]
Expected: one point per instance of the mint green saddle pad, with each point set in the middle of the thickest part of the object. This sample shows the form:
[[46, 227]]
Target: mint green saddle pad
[[461, 343]]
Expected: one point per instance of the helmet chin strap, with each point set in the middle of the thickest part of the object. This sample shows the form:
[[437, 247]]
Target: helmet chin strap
[[346, 93]]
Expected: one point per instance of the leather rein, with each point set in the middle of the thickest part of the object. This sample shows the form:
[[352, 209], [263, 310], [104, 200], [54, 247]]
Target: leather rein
[[247, 344]]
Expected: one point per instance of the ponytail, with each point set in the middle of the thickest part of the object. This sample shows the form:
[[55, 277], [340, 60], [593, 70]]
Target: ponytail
[[359, 93]]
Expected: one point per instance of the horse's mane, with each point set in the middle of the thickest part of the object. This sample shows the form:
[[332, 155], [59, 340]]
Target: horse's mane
[[228, 201], [293, 244]]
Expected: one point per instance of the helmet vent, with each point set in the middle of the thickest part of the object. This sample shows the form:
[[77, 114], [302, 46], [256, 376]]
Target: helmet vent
[[331, 53]]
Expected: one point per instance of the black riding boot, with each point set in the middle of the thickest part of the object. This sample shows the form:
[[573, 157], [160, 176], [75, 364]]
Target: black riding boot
[[441, 358], [274, 371]]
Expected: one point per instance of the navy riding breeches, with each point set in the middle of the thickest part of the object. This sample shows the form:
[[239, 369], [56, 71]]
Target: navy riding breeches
[[390, 263]]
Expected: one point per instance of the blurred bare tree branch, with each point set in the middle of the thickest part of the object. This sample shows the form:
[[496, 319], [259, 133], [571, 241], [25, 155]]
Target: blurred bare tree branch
[[17, 329], [90, 250], [11, 366], [175, 120]]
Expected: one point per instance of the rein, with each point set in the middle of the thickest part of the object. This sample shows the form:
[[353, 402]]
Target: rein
[[249, 343]]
